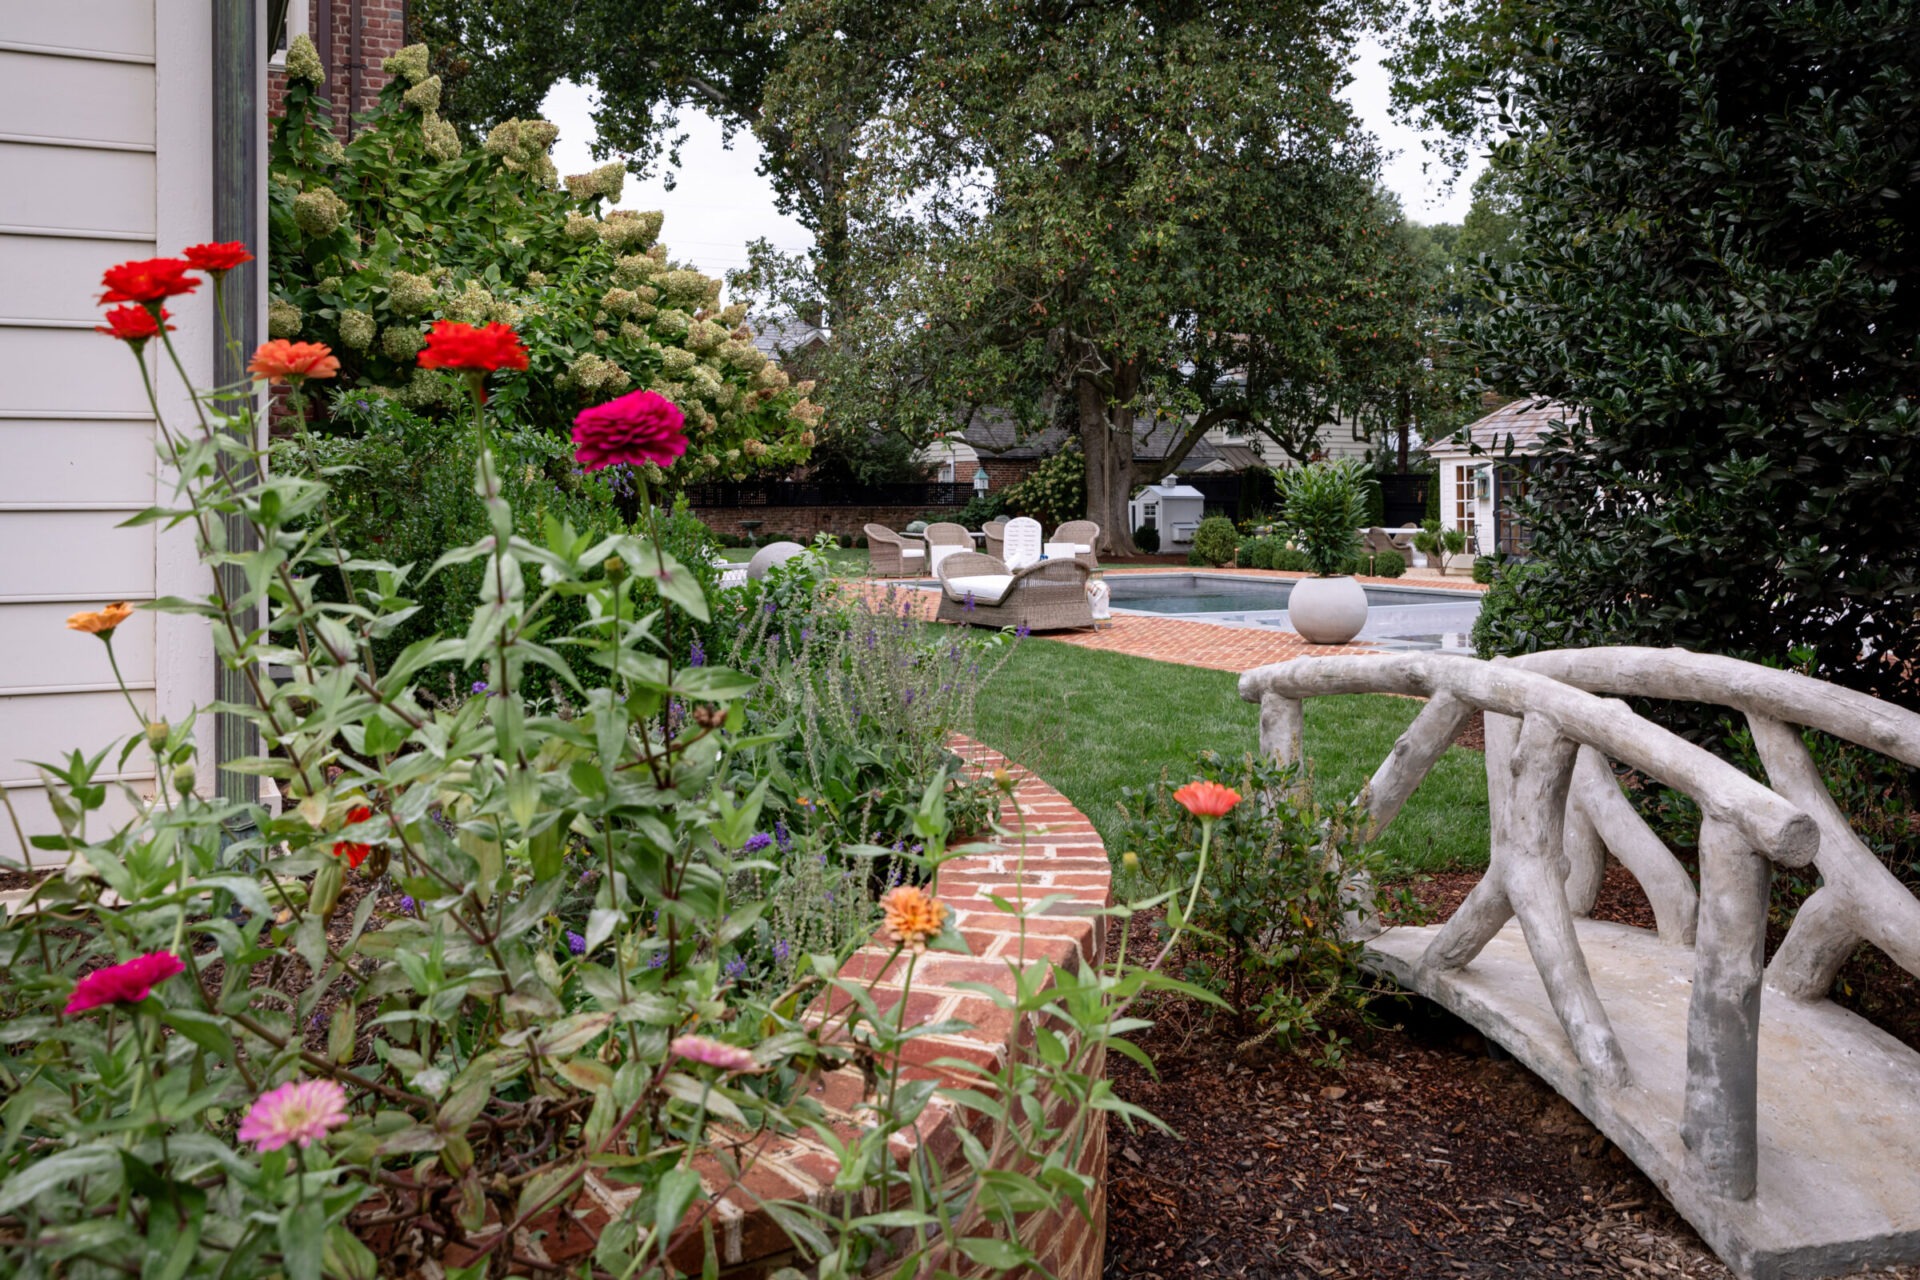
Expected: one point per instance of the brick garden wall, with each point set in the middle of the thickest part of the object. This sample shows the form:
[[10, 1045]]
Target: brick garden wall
[[383, 32], [1064, 856]]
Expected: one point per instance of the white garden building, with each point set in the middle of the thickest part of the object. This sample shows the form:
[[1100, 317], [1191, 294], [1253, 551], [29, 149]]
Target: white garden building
[[1485, 470]]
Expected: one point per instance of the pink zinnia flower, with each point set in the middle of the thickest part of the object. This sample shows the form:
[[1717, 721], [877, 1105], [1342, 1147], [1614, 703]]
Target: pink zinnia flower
[[639, 427], [303, 1112], [128, 983], [712, 1053]]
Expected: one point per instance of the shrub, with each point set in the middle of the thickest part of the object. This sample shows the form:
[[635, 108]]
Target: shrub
[[416, 227], [981, 509], [1528, 608], [1215, 542], [1439, 545], [1386, 564], [1291, 559], [1326, 506], [1483, 568], [1054, 492], [1147, 538], [1267, 923]]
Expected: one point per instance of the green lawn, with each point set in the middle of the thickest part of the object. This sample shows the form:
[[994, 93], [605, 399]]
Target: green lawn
[[1091, 722]]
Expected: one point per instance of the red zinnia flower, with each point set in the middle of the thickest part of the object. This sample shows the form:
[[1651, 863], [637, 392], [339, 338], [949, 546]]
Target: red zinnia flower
[[147, 282], [217, 259], [133, 325], [279, 360], [473, 348], [127, 983], [1207, 799], [639, 427], [352, 850]]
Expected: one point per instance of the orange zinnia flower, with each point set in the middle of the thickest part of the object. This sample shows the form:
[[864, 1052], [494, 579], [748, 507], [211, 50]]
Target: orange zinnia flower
[[1207, 799], [282, 361], [101, 622], [913, 917]]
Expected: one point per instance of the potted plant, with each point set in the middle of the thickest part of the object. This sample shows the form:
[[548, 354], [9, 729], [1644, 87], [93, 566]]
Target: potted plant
[[1326, 505], [1439, 545]]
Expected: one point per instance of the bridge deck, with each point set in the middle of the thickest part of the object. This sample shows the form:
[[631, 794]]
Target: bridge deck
[[1839, 1100]]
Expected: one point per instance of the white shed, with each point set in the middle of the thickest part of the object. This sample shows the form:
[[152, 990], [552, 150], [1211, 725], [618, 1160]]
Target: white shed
[[1173, 508], [1484, 473], [106, 141]]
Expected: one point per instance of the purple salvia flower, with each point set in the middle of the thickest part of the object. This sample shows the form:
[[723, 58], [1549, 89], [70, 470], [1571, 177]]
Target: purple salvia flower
[[696, 656], [657, 959], [757, 841], [780, 835], [479, 687], [407, 905], [576, 943], [780, 951], [737, 967]]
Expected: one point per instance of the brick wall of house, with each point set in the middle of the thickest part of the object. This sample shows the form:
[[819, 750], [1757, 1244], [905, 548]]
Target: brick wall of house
[[383, 31], [1002, 472]]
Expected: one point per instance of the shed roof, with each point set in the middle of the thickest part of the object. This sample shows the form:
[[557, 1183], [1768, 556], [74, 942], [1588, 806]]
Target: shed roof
[[778, 338], [1523, 421]]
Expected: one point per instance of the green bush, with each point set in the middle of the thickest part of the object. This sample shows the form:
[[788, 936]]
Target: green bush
[[1147, 538], [1326, 506], [1291, 559], [404, 225], [1484, 567], [1528, 608], [1267, 933], [1054, 492], [1439, 545], [1216, 541], [1387, 564]]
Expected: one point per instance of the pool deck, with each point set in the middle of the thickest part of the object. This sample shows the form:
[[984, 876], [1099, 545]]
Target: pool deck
[[1201, 644]]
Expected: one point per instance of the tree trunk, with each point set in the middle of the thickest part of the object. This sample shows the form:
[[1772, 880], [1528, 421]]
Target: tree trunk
[[1406, 427], [1106, 441]]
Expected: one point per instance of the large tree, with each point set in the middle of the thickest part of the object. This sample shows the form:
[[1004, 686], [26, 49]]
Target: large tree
[[1718, 265], [1111, 210]]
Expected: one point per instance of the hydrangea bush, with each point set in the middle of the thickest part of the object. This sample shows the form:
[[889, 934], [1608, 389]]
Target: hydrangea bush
[[405, 224], [216, 1061]]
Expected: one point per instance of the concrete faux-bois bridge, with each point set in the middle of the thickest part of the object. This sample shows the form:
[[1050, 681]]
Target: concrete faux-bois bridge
[[1785, 1128]]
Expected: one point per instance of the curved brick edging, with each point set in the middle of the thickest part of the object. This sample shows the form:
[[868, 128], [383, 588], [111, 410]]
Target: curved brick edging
[[1065, 857]]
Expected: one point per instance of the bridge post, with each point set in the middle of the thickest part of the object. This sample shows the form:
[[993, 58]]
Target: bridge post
[[1280, 721], [1720, 1125]]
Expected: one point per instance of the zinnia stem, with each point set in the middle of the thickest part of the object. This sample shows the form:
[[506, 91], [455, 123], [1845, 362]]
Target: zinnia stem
[[1199, 872]]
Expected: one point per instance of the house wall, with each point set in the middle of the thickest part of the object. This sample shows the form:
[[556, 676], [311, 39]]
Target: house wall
[[105, 143], [330, 23]]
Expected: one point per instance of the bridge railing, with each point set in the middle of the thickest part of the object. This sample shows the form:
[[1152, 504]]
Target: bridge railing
[[1555, 811]]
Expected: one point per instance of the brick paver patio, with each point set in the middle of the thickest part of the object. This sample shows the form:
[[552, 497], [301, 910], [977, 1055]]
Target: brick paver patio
[[1193, 644]]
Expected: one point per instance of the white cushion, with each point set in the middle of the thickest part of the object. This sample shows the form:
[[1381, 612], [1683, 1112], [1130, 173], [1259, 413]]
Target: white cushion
[[734, 578], [985, 588], [910, 554], [1066, 550], [940, 552]]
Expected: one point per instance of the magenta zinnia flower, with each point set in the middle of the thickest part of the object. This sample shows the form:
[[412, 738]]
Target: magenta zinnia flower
[[128, 983], [639, 427], [713, 1053], [303, 1112]]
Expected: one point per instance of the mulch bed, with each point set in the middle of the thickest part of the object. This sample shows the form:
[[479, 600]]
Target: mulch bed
[[1422, 1156]]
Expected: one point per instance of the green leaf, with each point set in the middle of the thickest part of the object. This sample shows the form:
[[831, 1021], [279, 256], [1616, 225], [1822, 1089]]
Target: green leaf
[[302, 1232]]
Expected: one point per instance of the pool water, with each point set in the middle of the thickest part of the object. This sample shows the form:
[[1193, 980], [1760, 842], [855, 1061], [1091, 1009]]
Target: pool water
[[1398, 617]]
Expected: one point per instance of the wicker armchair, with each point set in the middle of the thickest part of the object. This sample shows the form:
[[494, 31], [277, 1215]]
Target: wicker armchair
[[944, 538], [996, 531], [980, 591], [891, 556], [1081, 533]]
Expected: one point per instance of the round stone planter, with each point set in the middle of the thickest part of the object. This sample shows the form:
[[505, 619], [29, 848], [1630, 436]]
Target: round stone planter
[[1327, 610]]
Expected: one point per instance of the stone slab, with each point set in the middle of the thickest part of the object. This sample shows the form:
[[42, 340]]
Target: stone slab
[[1839, 1099]]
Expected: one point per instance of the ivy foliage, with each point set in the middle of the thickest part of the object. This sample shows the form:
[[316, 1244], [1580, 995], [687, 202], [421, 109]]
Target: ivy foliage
[[404, 225], [1719, 268]]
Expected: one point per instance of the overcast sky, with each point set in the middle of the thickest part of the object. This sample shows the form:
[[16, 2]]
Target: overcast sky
[[719, 201]]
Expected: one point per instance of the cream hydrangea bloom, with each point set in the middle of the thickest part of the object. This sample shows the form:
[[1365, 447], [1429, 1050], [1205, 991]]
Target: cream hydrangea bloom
[[424, 95], [319, 212], [283, 319], [410, 294], [410, 64], [402, 342], [303, 62], [356, 329]]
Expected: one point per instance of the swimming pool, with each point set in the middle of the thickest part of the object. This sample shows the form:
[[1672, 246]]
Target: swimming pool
[[1397, 617]]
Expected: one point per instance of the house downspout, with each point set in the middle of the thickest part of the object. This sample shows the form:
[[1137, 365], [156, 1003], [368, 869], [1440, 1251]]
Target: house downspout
[[239, 59], [354, 23]]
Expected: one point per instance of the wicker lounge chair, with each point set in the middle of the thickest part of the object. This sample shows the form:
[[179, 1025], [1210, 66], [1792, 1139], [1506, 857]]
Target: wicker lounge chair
[[943, 539], [892, 556], [1082, 534], [980, 591]]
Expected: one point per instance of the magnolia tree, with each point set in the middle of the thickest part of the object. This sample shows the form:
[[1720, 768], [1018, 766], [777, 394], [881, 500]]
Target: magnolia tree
[[405, 224], [218, 1059]]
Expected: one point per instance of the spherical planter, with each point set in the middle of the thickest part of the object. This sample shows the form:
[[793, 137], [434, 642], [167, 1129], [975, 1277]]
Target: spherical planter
[[770, 555], [1327, 610]]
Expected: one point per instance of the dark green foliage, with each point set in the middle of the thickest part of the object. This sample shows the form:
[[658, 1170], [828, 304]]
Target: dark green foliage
[[981, 510], [1290, 560], [1526, 609], [1386, 564], [1484, 567], [1216, 541], [1326, 505], [1719, 263], [1052, 493], [1267, 935], [1147, 538]]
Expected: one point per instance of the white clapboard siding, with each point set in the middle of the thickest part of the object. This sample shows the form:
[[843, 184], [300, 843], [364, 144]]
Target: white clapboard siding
[[105, 155]]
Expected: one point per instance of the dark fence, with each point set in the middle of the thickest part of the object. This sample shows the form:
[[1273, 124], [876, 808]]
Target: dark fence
[[1404, 499], [801, 493]]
